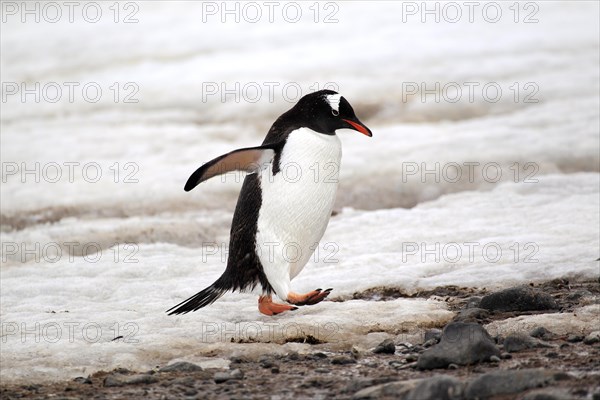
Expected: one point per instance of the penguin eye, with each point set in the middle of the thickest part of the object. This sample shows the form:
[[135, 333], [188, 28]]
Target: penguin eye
[[335, 113]]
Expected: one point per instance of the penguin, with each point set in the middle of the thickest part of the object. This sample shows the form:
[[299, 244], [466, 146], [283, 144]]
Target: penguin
[[284, 205]]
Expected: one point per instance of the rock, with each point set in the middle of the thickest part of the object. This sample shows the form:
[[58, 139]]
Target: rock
[[462, 344], [117, 379], [507, 382], [542, 333], [343, 360], [517, 342], [495, 359], [473, 302], [385, 347], [322, 370], [471, 315], [397, 389], [432, 334], [430, 342], [181, 366], [439, 387], [521, 298], [266, 362], [81, 379], [592, 338], [221, 377], [575, 338], [275, 370]]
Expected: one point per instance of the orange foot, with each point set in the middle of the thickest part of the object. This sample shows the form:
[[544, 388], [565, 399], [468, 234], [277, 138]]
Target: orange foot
[[267, 307], [308, 299]]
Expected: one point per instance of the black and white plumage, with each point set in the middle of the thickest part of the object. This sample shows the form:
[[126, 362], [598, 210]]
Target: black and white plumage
[[285, 202]]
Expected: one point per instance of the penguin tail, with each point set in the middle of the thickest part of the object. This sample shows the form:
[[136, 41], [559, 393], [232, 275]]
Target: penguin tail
[[199, 300]]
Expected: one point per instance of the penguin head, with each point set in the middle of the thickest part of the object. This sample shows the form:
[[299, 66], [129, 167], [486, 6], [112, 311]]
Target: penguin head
[[327, 111]]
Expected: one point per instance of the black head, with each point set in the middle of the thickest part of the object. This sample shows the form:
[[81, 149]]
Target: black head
[[326, 111]]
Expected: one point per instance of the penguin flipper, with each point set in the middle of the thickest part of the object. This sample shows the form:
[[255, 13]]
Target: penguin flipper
[[250, 160]]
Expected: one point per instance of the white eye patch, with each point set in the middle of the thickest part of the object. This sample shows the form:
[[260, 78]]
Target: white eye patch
[[334, 101]]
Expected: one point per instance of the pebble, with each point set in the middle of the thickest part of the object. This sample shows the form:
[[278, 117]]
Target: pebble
[[221, 377], [117, 379], [542, 333], [385, 347], [343, 360]]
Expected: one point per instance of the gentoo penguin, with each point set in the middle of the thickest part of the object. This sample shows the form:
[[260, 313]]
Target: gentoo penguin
[[284, 205]]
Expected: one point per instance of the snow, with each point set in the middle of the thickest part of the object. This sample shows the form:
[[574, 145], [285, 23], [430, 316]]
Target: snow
[[60, 312]]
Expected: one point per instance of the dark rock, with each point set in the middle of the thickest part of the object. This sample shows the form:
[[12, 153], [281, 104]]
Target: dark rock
[[471, 315], [275, 369], [412, 357], [181, 366], [506, 356], [506, 382], [575, 338], [343, 360], [117, 379], [81, 379], [439, 387], [433, 334], [473, 302], [592, 338], [542, 333], [294, 356], [430, 343], [322, 370], [517, 342], [462, 344], [385, 347], [495, 359], [521, 298]]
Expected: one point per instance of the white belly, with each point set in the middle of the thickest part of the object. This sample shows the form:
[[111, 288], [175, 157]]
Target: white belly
[[297, 204]]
